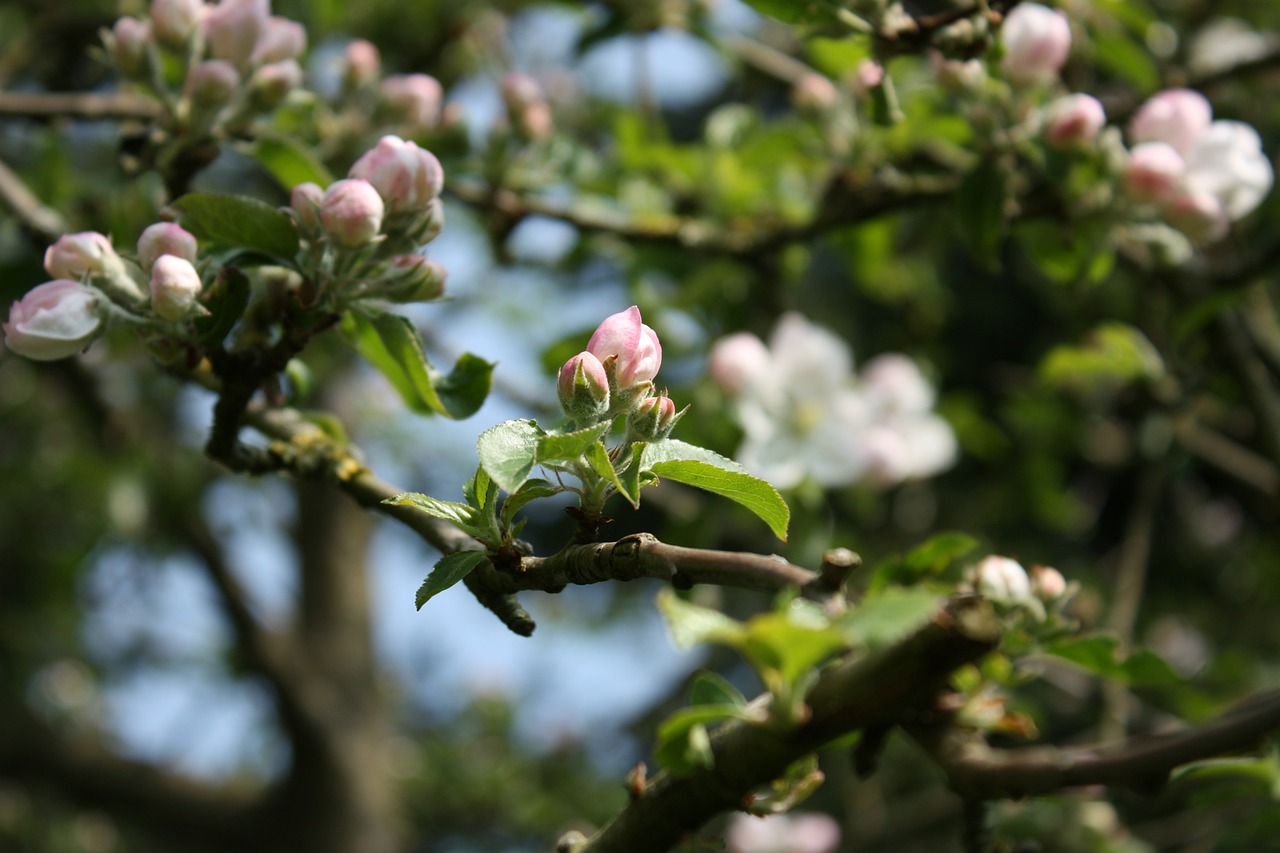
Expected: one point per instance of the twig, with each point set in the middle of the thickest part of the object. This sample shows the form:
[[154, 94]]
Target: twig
[[37, 217], [105, 105]]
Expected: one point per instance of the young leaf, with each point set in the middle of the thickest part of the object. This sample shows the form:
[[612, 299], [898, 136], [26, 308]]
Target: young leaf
[[690, 624], [508, 452], [711, 688], [391, 344], [238, 222], [530, 490], [683, 742], [1098, 653], [925, 560], [598, 459], [569, 446], [460, 515], [288, 162], [450, 569], [883, 619], [226, 300], [776, 641], [703, 469]]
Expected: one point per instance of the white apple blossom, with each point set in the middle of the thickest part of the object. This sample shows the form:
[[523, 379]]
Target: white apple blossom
[[806, 415], [811, 832]]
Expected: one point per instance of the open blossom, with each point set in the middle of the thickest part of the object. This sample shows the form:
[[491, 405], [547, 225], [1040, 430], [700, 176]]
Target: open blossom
[[1036, 40], [635, 348], [812, 832], [407, 177], [52, 321], [806, 415], [1177, 117]]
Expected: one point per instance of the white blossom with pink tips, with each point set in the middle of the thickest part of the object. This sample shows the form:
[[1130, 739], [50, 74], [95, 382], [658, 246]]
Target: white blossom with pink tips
[[55, 320], [811, 832], [633, 346]]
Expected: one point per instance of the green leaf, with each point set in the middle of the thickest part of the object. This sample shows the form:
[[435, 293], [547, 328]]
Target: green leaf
[[460, 515], [925, 560], [289, 162], [391, 344], [703, 469], [226, 300], [800, 780], [712, 688], [569, 446], [1098, 653], [980, 208], [691, 624], [1113, 355], [450, 569], [1123, 57], [794, 11], [598, 459], [508, 452], [530, 490], [792, 647], [479, 491], [684, 744], [884, 619], [238, 222]]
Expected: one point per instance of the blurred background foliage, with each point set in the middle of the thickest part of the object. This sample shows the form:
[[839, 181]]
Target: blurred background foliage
[[1072, 454]]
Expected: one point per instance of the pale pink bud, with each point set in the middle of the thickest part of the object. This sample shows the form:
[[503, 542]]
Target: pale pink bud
[[1199, 215], [77, 255], [1074, 120], [414, 278], [535, 122], [583, 387], [867, 76], [1175, 116], [175, 284], [54, 320], [1036, 40], [281, 39], [165, 238], [1154, 172], [233, 27], [737, 361], [272, 83], [361, 64], [519, 91], [212, 82], [351, 212], [406, 176], [175, 20], [814, 94], [1003, 580], [413, 99], [305, 200], [128, 44], [1048, 583], [654, 418], [635, 348]]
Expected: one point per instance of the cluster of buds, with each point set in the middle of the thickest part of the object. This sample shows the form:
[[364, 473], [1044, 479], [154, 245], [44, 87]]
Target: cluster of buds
[[236, 59], [614, 375], [91, 281], [1199, 174], [527, 108], [1006, 582], [412, 103], [384, 210]]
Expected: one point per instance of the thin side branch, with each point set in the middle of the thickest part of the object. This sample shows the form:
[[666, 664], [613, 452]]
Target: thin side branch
[[104, 105]]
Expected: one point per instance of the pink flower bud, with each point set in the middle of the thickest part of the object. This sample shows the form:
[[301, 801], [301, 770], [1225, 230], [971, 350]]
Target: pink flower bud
[[414, 278], [351, 212], [519, 91], [1048, 583], [406, 176], [281, 39], [413, 99], [1199, 215], [213, 82], [1154, 172], [583, 388], [1003, 580], [175, 284], [175, 20], [1073, 120], [535, 122], [55, 320], [165, 238], [737, 361], [128, 43], [272, 83], [305, 200], [361, 64], [633, 346], [867, 76], [233, 27], [814, 94], [1036, 40], [1175, 116], [77, 255], [654, 418]]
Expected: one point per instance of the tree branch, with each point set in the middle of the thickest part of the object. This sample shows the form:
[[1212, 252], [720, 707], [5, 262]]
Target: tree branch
[[38, 218], [104, 105], [975, 769], [882, 689]]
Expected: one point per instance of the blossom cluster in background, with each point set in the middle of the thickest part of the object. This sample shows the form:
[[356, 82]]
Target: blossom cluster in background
[[806, 415], [808, 832]]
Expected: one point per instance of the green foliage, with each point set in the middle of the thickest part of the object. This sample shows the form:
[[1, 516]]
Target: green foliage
[[704, 469], [450, 569], [289, 162], [1099, 654], [238, 222]]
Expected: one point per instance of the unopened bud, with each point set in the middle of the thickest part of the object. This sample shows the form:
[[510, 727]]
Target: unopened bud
[[165, 238], [361, 65], [1002, 579], [633, 347], [280, 39], [654, 418], [406, 176], [74, 256], [1048, 583], [1074, 120], [175, 20], [412, 99], [212, 83], [1177, 117], [1154, 172], [1036, 40], [1199, 215], [583, 388], [305, 200], [233, 27], [814, 94], [413, 278], [271, 84], [128, 44], [868, 75], [175, 284], [519, 91], [351, 212]]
